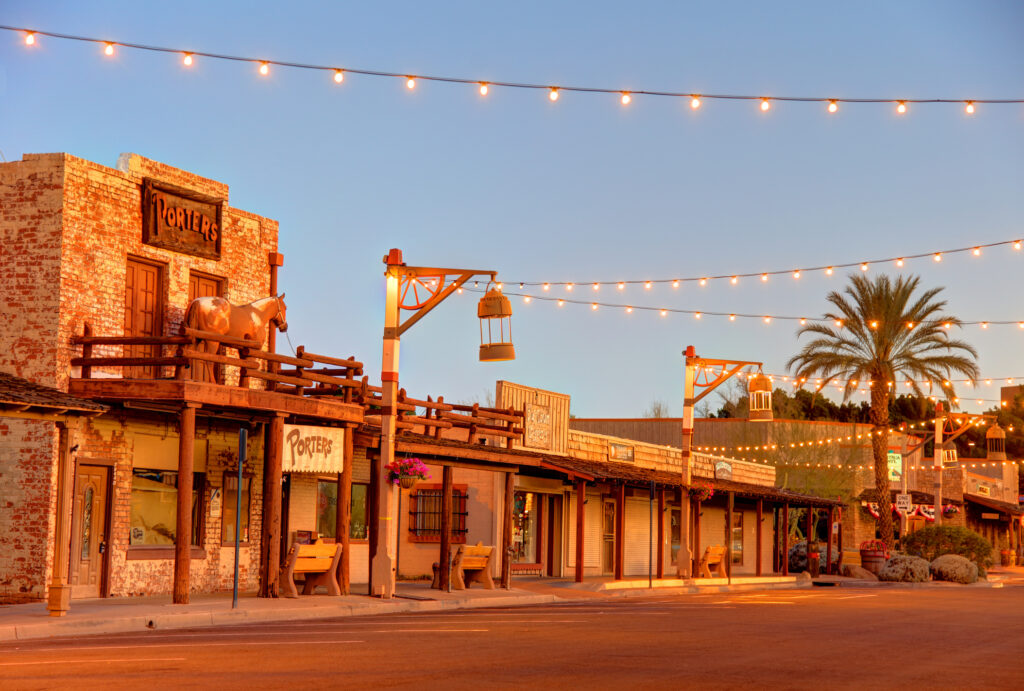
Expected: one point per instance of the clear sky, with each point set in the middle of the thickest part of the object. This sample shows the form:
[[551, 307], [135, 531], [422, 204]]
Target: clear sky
[[582, 189]]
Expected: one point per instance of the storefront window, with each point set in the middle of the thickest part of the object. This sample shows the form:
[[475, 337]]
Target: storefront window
[[425, 514], [327, 509], [737, 538], [154, 507], [675, 532], [230, 498], [524, 527]]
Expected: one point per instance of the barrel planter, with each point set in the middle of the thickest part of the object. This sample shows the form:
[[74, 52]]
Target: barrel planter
[[1007, 557], [872, 559]]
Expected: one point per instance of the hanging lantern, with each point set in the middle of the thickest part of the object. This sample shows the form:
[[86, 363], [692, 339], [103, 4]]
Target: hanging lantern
[[995, 443], [949, 455], [759, 388], [495, 310]]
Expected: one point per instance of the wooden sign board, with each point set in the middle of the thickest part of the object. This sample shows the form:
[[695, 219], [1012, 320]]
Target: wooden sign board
[[620, 452], [723, 470], [181, 220], [537, 434], [309, 449], [990, 516], [984, 490]]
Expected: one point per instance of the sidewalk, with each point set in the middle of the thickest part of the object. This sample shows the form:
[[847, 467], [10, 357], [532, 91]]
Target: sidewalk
[[119, 615]]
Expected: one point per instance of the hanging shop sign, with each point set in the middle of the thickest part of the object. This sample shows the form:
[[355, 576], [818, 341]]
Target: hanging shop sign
[[723, 470], [313, 449], [895, 462], [990, 516], [620, 452], [181, 220], [984, 490], [537, 434]]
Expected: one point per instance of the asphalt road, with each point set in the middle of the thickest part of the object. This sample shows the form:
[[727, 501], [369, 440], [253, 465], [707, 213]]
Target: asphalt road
[[952, 637]]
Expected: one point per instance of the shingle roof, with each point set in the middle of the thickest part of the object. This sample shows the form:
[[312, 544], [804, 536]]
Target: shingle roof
[[21, 394]]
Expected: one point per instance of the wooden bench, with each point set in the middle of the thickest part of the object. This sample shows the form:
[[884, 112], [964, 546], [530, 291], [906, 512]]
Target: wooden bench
[[319, 564], [472, 563], [714, 558], [850, 558]]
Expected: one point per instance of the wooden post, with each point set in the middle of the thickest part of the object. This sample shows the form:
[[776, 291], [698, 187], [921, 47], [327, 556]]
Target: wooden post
[[59, 598], [183, 533], [444, 560], [661, 533], [784, 556], [728, 534], [506, 530], [86, 353], [684, 563], [760, 519], [270, 546], [372, 522], [808, 527], [276, 260], [620, 529], [343, 526], [828, 545], [581, 500], [696, 539]]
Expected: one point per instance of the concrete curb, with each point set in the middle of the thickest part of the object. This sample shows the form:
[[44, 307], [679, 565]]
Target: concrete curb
[[99, 624]]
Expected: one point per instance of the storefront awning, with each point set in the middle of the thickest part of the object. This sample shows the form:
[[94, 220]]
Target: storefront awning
[[22, 398], [1002, 507]]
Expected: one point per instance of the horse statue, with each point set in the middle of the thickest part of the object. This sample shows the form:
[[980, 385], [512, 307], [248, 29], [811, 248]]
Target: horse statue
[[248, 322]]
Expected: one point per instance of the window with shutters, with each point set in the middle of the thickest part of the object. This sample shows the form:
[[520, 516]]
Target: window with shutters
[[425, 514], [143, 313]]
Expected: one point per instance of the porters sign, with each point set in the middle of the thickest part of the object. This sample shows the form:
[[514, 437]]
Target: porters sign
[[313, 449], [181, 220]]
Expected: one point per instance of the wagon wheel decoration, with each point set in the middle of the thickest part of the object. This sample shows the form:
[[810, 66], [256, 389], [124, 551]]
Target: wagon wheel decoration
[[417, 291], [708, 377]]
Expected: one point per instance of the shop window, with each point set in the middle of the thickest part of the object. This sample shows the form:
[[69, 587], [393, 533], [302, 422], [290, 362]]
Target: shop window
[[737, 538], [229, 497], [524, 528], [327, 509], [154, 507], [425, 514]]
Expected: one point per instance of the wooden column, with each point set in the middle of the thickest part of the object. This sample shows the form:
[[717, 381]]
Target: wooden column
[[808, 529], [183, 532], [343, 525], [270, 546], [444, 558], [828, 545], [760, 532], [661, 533], [696, 539], [59, 597], [506, 530], [276, 260], [784, 556], [684, 562], [581, 500], [620, 529], [728, 533], [372, 521]]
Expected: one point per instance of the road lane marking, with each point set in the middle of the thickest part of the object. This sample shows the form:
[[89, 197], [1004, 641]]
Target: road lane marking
[[157, 644], [77, 661], [850, 597]]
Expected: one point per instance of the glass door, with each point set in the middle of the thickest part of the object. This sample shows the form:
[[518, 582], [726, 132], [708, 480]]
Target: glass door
[[608, 538]]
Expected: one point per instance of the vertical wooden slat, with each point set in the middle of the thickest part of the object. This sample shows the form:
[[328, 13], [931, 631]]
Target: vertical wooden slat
[[270, 547], [696, 539], [660, 517], [828, 545], [344, 516], [784, 554], [183, 535], [620, 529], [760, 532], [444, 559], [728, 533], [581, 500], [506, 530]]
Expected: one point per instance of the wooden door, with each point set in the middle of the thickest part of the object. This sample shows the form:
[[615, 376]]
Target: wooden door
[[608, 538], [143, 313], [89, 539], [202, 286]]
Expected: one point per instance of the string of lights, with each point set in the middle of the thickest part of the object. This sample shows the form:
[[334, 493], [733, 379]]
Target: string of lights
[[484, 86], [764, 276]]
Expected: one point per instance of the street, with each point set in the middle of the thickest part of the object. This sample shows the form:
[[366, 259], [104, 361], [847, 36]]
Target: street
[[811, 638]]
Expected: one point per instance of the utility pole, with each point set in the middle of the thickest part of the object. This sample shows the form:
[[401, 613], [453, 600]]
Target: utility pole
[[940, 422]]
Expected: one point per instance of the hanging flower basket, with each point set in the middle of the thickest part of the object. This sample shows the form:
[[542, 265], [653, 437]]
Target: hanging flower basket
[[406, 471], [950, 509], [702, 492]]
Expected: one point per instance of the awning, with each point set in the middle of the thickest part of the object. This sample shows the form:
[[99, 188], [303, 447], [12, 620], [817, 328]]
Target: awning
[[1002, 507], [22, 398]]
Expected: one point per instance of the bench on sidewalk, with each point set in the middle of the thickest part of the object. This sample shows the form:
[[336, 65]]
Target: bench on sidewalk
[[471, 563], [318, 563], [714, 558]]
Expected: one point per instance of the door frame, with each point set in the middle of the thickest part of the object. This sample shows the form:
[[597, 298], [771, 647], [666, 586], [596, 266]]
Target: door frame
[[605, 501], [108, 514]]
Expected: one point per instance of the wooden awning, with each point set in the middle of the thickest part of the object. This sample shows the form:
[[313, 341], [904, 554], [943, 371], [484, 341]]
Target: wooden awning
[[21, 398], [1003, 507]]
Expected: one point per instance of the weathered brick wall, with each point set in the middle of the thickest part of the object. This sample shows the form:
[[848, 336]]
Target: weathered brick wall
[[67, 228]]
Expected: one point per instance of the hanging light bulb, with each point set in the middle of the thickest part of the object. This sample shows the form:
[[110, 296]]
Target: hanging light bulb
[[976, 251], [937, 256], [30, 38], [597, 286], [108, 49], [796, 274], [553, 94], [734, 280], [561, 303], [568, 286], [803, 321], [765, 105], [694, 102], [626, 98], [629, 310], [647, 285], [593, 305], [675, 283], [187, 60], [264, 69], [732, 317], [484, 88], [984, 325], [1016, 244], [703, 281], [901, 108], [767, 320], [833, 106], [621, 286], [664, 313], [410, 83], [697, 315], [546, 286], [764, 278], [339, 76], [864, 266], [969, 108], [828, 271], [526, 298], [899, 262]]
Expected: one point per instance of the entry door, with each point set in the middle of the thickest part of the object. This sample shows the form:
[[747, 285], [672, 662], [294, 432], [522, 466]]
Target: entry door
[[201, 286], [608, 538], [143, 315], [89, 543]]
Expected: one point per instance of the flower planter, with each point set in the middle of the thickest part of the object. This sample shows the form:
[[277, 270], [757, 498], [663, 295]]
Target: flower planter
[[407, 482], [872, 559], [1007, 557]]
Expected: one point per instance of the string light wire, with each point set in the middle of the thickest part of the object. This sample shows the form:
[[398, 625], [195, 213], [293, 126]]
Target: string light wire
[[694, 99]]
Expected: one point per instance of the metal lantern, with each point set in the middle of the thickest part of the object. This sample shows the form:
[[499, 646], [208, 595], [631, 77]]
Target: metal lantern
[[495, 310], [950, 459], [759, 388], [995, 443]]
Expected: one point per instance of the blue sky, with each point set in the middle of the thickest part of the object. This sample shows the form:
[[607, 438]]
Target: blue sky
[[582, 189]]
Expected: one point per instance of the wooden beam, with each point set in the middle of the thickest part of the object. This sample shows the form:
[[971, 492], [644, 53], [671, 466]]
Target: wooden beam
[[828, 545], [784, 556], [760, 532], [661, 533], [620, 529], [183, 533], [581, 500], [728, 533], [696, 539], [444, 558], [344, 522], [270, 547], [506, 532]]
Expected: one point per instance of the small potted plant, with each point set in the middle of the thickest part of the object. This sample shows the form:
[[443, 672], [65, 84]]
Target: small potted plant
[[873, 555], [949, 510], [702, 492], [406, 471]]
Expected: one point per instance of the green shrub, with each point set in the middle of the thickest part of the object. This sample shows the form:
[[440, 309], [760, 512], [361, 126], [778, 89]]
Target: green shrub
[[932, 542]]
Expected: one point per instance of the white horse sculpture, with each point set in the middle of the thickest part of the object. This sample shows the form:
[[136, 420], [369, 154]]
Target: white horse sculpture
[[248, 322]]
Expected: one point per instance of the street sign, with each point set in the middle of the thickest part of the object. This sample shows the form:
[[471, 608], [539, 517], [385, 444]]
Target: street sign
[[903, 503]]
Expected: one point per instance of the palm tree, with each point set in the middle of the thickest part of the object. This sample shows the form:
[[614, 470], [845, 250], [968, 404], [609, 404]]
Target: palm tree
[[881, 331]]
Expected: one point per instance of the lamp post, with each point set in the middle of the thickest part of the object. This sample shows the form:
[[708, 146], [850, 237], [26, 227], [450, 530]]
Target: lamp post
[[417, 289]]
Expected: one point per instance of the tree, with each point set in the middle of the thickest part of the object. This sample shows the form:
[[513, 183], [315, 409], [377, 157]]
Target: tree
[[882, 330], [657, 409]]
